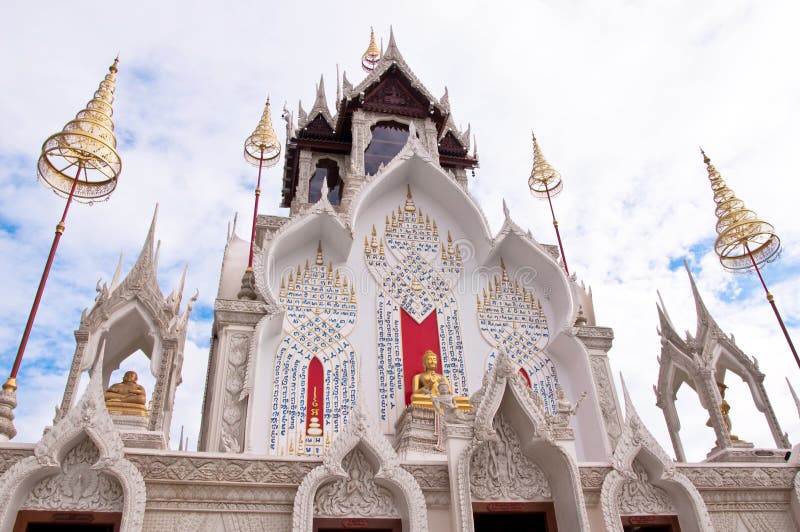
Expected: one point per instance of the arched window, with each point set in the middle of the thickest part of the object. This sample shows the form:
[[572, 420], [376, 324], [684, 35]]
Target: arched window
[[326, 169], [388, 138]]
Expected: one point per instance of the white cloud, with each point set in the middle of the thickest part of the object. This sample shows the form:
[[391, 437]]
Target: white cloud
[[620, 96]]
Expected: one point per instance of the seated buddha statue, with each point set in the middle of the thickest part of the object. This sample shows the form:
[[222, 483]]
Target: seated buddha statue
[[127, 397], [430, 384]]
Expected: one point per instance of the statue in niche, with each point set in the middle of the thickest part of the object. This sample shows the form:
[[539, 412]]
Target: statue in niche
[[564, 409], [724, 409], [127, 398], [429, 384]]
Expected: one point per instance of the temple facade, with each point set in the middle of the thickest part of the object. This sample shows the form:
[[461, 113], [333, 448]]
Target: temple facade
[[388, 363]]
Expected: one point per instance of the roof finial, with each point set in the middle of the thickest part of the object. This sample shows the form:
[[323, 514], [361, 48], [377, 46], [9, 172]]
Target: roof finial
[[338, 87], [372, 56], [320, 102]]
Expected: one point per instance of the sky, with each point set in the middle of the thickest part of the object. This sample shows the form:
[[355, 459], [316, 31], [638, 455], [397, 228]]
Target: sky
[[620, 94]]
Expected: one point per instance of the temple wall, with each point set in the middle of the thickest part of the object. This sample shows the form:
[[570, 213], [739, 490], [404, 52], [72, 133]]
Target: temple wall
[[214, 491]]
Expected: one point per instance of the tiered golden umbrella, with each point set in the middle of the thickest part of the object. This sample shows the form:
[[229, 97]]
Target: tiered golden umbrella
[[744, 242], [79, 163], [261, 149], [545, 182]]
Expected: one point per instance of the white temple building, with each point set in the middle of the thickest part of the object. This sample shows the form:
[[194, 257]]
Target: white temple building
[[389, 364]]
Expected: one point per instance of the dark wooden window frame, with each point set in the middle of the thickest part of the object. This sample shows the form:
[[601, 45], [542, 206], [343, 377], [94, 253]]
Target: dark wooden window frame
[[640, 520], [545, 508], [27, 517], [357, 523]]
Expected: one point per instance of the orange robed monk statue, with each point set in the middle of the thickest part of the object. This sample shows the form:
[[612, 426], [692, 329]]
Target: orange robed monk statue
[[127, 398], [430, 384]]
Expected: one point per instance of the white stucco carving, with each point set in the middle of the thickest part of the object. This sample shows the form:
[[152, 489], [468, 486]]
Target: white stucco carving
[[81, 449], [361, 434], [78, 486], [358, 495], [499, 471], [134, 315], [525, 412], [701, 361], [645, 480]]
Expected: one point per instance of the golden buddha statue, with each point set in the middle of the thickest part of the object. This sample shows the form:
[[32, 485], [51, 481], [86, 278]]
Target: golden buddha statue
[[126, 398], [429, 384], [724, 409]]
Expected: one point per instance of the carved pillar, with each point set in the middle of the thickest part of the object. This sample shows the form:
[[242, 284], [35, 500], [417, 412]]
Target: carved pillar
[[431, 139], [781, 441], [598, 342], [162, 388], [457, 438], [460, 175], [667, 405], [8, 402], [81, 339], [225, 407], [360, 130], [706, 385], [305, 171]]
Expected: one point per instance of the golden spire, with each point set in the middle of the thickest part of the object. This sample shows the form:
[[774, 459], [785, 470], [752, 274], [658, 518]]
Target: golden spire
[[263, 146], [739, 232], [544, 179], [409, 206], [87, 143], [320, 262], [372, 56]]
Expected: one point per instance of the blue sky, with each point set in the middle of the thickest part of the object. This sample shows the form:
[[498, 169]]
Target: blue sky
[[620, 95]]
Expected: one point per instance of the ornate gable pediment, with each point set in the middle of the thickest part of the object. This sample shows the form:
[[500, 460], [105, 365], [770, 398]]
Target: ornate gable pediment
[[318, 128], [450, 145], [395, 95]]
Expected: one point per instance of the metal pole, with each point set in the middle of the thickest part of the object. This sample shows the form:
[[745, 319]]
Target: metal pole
[[255, 211], [558, 234], [771, 300], [59, 231]]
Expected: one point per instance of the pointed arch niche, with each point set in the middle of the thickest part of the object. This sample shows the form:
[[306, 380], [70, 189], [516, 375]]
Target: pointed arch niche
[[326, 171], [79, 465], [132, 318], [360, 477], [514, 457], [645, 482], [388, 138], [702, 361]]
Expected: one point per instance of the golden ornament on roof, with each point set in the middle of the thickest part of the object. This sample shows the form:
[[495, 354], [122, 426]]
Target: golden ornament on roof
[[743, 240], [544, 180], [372, 56], [263, 148], [86, 145]]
